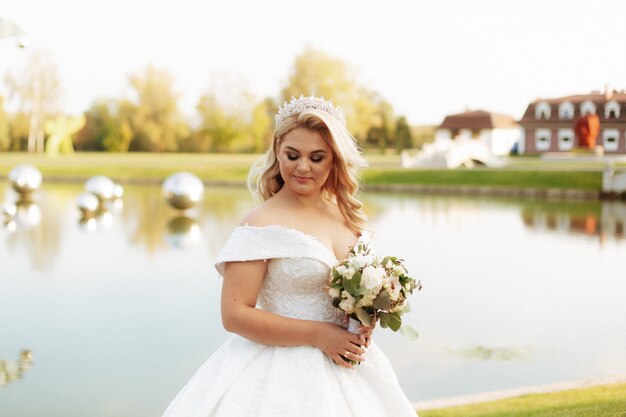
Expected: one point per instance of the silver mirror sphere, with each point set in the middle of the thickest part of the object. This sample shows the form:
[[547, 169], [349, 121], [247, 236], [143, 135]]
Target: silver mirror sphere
[[101, 186], [118, 191], [182, 190], [25, 179], [88, 204]]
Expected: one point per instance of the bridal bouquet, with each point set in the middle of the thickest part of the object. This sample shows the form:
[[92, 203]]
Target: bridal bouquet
[[369, 288]]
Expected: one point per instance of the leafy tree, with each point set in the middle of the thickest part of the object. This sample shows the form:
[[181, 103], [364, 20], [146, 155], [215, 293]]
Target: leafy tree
[[403, 136], [262, 124], [222, 129], [153, 116], [19, 125], [381, 133], [5, 141], [36, 88], [105, 128], [316, 73]]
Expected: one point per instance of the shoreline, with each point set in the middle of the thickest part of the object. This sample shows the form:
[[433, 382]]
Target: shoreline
[[452, 190], [488, 396]]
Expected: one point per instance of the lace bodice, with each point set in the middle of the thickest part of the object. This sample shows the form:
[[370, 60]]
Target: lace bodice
[[297, 272]]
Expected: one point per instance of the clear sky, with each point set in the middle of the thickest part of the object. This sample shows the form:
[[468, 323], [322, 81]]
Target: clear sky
[[428, 58]]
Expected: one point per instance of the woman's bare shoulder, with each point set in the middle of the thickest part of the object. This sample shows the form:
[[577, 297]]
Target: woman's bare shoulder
[[265, 214]]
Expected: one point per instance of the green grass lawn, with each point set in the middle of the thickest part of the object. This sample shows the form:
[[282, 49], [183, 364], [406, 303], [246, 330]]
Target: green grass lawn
[[384, 169], [601, 401]]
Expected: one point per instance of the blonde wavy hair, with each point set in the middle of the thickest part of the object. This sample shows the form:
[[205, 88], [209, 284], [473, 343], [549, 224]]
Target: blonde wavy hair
[[342, 185]]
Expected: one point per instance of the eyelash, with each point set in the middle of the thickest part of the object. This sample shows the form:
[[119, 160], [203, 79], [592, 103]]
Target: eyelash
[[293, 157]]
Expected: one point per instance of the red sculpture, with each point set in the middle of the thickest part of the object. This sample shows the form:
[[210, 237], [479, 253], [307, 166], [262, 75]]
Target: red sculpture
[[587, 129]]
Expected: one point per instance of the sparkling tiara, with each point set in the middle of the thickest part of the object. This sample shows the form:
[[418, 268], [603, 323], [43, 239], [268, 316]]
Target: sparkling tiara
[[301, 104]]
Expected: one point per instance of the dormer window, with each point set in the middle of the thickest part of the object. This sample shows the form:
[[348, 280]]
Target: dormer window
[[611, 110], [542, 111], [566, 110], [587, 108]]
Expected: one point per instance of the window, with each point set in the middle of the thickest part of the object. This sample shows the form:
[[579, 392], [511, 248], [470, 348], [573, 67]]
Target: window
[[611, 110], [610, 138], [566, 110], [542, 111], [587, 107], [542, 139], [566, 139]]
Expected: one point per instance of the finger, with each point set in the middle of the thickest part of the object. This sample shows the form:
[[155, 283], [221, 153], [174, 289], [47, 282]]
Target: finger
[[355, 349], [343, 361], [355, 339], [366, 335], [352, 356]]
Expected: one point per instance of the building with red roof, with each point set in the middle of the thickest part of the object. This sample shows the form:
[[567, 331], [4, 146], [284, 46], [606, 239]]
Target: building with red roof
[[564, 123]]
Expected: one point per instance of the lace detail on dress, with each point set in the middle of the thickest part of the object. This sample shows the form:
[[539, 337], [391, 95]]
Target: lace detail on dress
[[295, 287]]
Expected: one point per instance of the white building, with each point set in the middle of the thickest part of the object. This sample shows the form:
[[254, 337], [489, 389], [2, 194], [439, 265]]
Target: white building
[[497, 132]]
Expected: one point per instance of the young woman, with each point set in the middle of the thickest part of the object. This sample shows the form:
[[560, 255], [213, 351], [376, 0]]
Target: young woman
[[291, 354]]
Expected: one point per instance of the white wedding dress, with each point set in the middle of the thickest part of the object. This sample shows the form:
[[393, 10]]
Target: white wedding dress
[[245, 378]]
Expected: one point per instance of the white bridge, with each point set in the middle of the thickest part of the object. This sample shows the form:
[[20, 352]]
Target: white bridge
[[449, 153]]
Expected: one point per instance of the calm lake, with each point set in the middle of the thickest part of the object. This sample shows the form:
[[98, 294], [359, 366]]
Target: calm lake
[[118, 312]]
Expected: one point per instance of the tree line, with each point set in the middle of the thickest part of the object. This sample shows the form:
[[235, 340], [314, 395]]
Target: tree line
[[150, 120]]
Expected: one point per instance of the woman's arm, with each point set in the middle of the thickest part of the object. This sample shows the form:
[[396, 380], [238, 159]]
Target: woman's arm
[[240, 289]]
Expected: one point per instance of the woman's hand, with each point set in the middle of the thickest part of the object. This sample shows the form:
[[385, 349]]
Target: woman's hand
[[366, 333], [339, 344]]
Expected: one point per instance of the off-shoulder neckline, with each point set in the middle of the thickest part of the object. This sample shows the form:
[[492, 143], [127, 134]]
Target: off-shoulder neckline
[[304, 234]]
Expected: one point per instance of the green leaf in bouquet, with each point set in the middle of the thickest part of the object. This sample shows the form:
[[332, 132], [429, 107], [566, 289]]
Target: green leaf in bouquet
[[336, 276], [363, 317], [356, 280], [384, 319], [347, 285], [406, 308], [362, 291], [394, 321], [383, 301], [409, 332]]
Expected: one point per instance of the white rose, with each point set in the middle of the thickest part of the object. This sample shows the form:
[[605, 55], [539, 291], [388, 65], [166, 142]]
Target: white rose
[[347, 304], [334, 292], [348, 273], [373, 277], [340, 269], [367, 300], [361, 261]]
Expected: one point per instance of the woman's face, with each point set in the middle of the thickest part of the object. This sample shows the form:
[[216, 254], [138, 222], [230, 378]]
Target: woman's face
[[305, 160]]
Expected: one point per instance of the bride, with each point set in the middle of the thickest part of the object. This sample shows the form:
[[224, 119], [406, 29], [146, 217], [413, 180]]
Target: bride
[[290, 354]]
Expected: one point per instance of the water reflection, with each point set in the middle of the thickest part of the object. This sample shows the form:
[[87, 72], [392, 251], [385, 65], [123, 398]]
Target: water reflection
[[102, 220], [35, 226], [183, 232], [11, 371], [604, 220]]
